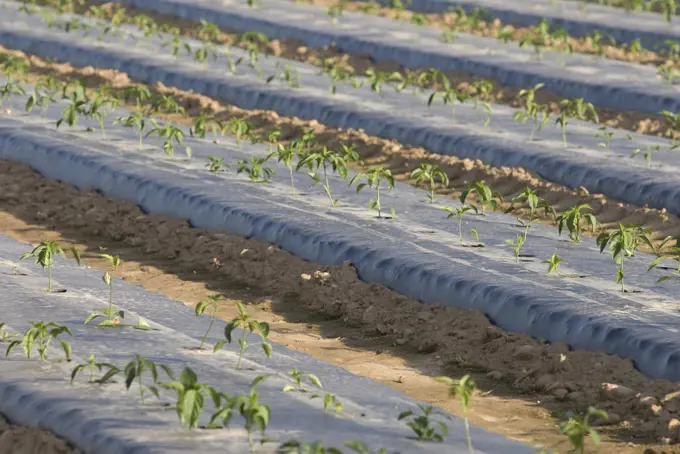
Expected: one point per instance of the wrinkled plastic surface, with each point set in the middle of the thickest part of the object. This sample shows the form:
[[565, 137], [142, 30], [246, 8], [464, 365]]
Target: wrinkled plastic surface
[[396, 116], [108, 420], [577, 18], [607, 83], [418, 254]]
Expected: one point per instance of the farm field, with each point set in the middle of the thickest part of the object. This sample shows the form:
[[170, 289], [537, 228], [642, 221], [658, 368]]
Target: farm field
[[348, 232]]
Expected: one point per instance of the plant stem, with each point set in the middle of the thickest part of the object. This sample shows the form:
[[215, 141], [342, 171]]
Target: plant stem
[[622, 275], [243, 347], [327, 185], [212, 320], [111, 299], [140, 138], [141, 390], [468, 438], [49, 278], [292, 182], [377, 199], [460, 228], [564, 134]]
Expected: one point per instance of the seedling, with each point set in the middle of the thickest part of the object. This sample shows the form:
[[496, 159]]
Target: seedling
[[668, 8], [421, 424], [463, 389], [167, 104], [459, 212], [675, 257], [286, 155], [301, 447], [377, 78], [330, 401], [216, 165], [170, 133], [623, 243], [428, 174], [485, 195], [4, 334], [256, 170], [10, 89], [449, 95], [668, 73], [297, 377], [135, 370], [99, 107], [214, 302], [517, 245], [325, 158], [579, 426], [336, 71], [136, 120], [532, 110], [39, 337], [246, 323], [93, 366], [253, 42], [208, 31], [577, 109], [606, 136], [572, 219], [239, 128], [649, 150], [112, 317], [289, 75], [400, 6], [190, 397], [15, 68], [273, 137], [538, 37], [553, 263], [374, 178], [40, 99], [672, 121], [76, 107], [256, 415], [535, 203], [44, 255], [200, 126]]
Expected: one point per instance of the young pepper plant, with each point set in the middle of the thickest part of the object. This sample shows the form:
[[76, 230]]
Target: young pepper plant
[[572, 220], [459, 213], [255, 169], [464, 390], [111, 317], [374, 178], [286, 154], [421, 424], [485, 195], [136, 368], [623, 243], [92, 366], [214, 302], [326, 159], [39, 337], [247, 324], [577, 427], [44, 255], [190, 397], [428, 174]]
